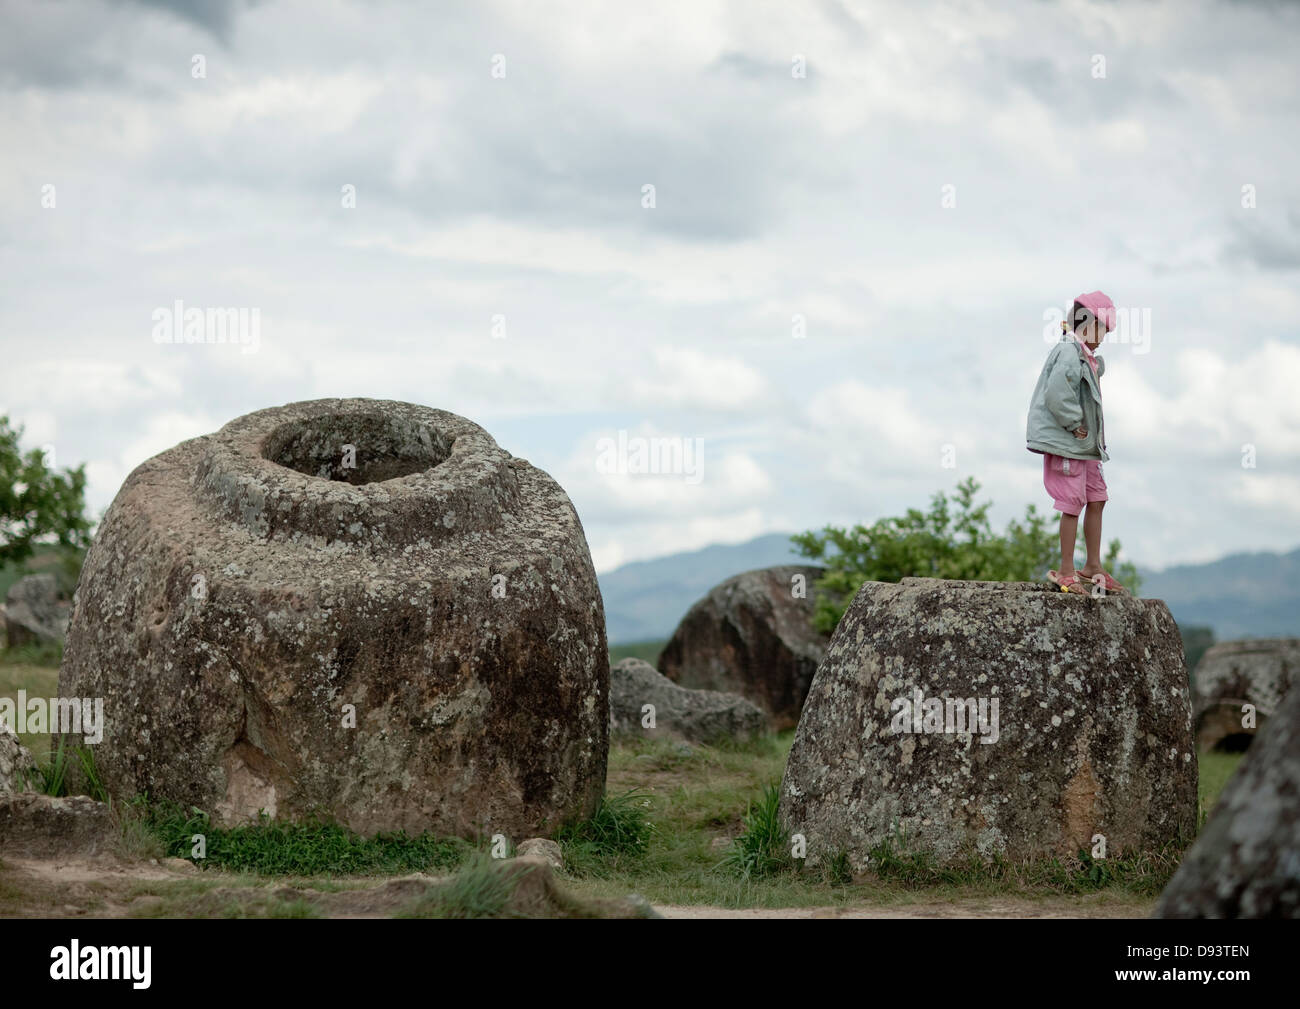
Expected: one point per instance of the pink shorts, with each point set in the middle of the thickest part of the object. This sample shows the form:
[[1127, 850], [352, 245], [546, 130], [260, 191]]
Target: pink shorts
[[1073, 483]]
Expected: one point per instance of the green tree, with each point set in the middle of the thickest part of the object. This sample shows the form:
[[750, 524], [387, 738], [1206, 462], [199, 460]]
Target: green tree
[[1197, 640], [954, 539], [38, 504]]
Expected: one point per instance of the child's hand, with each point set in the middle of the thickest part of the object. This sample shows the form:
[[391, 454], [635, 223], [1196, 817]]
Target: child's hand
[[1081, 432]]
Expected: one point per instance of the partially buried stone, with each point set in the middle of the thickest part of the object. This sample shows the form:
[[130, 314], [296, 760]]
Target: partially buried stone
[[645, 705]]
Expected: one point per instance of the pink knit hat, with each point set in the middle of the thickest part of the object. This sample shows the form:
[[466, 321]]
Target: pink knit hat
[[1100, 306]]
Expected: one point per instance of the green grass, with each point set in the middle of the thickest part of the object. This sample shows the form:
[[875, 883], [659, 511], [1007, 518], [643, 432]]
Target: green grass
[[1143, 875], [1216, 769], [53, 774], [300, 849], [479, 890], [48, 655], [616, 834], [763, 848], [216, 897], [683, 824], [486, 888], [716, 840], [696, 799], [37, 681], [680, 824], [646, 650], [51, 777]]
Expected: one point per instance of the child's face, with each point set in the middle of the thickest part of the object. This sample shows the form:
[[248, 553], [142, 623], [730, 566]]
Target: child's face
[[1092, 332]]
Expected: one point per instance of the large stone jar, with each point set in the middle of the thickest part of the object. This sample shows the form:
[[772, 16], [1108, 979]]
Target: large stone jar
[[356, 609]]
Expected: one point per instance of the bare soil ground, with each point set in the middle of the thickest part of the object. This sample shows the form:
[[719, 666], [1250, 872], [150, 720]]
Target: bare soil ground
[[112, 887], [1060, 907]]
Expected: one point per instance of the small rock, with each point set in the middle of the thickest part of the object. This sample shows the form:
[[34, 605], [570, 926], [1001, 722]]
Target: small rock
[[701, 716], [33, 612], [752, 635], [43, 825], [543, 848], [180, 864], [641, 907], [16, 763]]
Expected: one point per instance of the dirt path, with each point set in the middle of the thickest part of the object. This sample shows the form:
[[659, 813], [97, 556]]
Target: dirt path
[[1001, 907], [109, 887]]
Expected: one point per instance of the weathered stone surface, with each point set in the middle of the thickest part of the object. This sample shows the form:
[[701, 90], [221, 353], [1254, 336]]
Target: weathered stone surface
[[543, 848], [1091, 732], [16, 763], [699, 716], [1246, 863], [752, 635], [248, 591], [1235, 673], [44, 825], [33, 613]]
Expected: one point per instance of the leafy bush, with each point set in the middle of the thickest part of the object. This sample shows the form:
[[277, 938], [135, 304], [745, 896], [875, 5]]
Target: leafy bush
[[37, 504], [944, 542]]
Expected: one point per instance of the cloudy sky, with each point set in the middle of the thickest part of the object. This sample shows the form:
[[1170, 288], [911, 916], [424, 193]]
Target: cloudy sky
[[922, 184]]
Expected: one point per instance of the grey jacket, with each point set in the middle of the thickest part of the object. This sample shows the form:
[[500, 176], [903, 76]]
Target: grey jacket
[[1067, 395]]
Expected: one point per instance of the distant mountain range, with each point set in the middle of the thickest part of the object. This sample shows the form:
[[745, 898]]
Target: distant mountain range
[[1240, 596], [645, 600]]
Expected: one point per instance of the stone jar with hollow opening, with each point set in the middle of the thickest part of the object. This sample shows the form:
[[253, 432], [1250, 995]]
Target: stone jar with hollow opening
[[360, 610]]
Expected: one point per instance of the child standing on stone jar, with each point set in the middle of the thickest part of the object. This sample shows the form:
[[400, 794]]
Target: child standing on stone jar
[[1067, 428]]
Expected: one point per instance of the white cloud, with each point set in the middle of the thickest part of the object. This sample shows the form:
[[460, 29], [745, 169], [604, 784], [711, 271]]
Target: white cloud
[[688, 378], [776, 196], [864, 425], [696, 477], [162, 431], [1217, 404]]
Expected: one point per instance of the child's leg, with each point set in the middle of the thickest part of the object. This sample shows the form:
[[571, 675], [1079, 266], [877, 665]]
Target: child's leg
[[1097, 494], [1069, 532], [1065, 480], [1092, 537]]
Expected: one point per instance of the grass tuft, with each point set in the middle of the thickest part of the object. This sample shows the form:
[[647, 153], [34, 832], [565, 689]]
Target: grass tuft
[[47, 654], [1143, 873], [54, 775], [51, 778], [310, 848], [619, 830], [480, 890], [763, 847]]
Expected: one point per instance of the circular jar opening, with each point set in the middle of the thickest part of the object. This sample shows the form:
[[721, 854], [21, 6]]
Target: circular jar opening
[[356, 448]]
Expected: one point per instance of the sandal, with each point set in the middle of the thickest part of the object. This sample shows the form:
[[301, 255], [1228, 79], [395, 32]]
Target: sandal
[[1108, 583], [1074, 581]]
